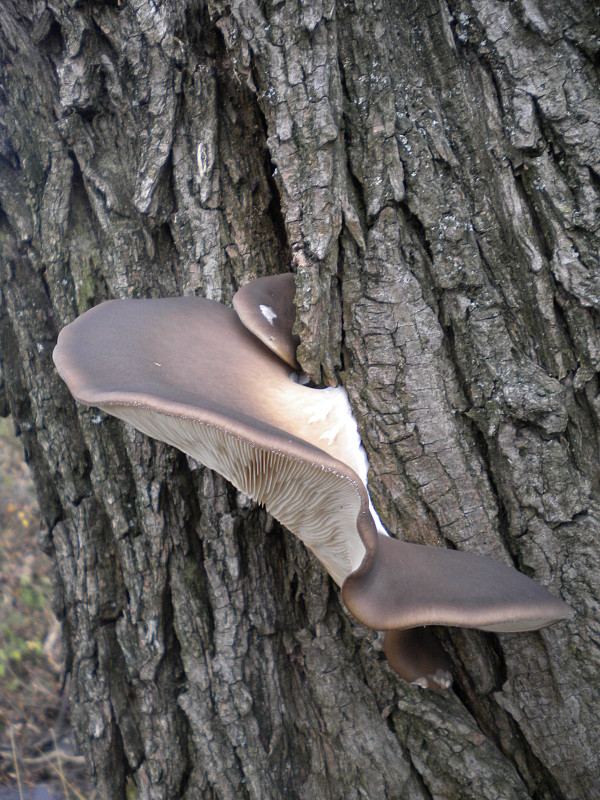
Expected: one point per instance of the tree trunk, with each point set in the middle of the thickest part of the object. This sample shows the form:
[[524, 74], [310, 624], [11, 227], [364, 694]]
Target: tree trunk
[[431, 173]]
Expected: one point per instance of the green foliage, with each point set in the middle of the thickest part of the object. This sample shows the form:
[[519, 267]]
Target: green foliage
[[15, 648], [18, 642], [34, 596]]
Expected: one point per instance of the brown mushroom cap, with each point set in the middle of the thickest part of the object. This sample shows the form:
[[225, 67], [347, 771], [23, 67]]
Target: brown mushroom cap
[[407, 585], [416, 655], [266, 307], [186, 371]]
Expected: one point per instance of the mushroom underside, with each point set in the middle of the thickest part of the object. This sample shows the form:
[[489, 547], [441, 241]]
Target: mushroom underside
[[319, 505]]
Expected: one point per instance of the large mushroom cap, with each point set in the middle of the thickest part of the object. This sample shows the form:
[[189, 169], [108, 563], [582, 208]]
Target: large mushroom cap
[[266, 307], [186, 371]]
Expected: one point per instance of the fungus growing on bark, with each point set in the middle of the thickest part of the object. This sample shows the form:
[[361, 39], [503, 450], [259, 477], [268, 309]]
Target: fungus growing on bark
[[188, 372], [266, 307]]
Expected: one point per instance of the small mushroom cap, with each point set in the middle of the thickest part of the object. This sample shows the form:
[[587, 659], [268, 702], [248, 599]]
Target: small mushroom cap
[[417, 656], [266, 307], [186, 371], [409, 585]]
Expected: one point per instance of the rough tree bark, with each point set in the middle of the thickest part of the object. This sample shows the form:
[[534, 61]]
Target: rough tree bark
[[431, 173]]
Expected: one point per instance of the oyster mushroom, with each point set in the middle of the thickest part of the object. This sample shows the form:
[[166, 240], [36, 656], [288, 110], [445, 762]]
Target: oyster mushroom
[[188, 372]]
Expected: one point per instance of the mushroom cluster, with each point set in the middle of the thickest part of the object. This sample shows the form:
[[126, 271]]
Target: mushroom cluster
[[224, 386]]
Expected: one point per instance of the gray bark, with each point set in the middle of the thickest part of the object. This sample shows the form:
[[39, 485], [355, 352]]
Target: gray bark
[[431, 173]]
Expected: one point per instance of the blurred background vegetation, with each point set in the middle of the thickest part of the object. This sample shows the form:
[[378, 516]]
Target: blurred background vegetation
[[36, 749]]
